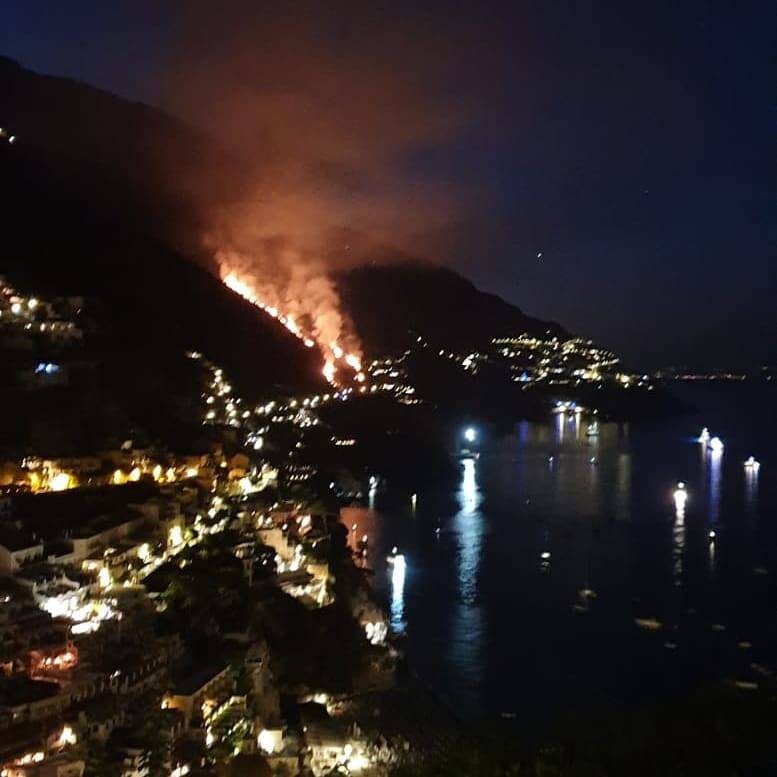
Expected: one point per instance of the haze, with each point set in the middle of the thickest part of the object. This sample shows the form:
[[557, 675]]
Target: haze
[[608, 166]]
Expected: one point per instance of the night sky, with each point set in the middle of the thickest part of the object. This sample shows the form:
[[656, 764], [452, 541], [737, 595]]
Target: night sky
[[633, 145]]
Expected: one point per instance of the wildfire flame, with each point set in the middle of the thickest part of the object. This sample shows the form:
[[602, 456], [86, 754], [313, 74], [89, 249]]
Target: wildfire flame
[[329, 370], [334, 355]]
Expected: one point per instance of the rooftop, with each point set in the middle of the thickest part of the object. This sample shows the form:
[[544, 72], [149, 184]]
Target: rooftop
[[18, 690], [80, 511], [16, 538], [192, 675]]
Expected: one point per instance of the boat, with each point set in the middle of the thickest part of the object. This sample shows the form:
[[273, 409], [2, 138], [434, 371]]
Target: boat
[[651, 624], [680, 497], [395, 558], [592, 430]]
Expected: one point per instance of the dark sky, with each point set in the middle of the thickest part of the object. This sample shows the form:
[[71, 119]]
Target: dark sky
[[633, 144]]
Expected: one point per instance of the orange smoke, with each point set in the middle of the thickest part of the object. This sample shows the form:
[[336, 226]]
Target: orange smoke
[[331, 116]]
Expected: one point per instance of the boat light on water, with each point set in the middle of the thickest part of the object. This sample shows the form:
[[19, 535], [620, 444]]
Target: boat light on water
[[704, 437], [716, 445], [562, 406], [680, 496], [752, 464]]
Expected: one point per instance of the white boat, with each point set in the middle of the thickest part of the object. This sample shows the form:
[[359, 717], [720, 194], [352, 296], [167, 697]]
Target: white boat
[[395, 557], [592, 430]]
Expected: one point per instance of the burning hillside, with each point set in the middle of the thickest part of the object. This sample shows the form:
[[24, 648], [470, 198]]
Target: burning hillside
[[313, 316]]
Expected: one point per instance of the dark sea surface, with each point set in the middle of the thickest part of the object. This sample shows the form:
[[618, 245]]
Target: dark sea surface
[[494, 628]]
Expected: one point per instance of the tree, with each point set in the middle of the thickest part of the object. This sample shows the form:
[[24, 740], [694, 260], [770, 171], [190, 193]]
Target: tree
[[98, 761]]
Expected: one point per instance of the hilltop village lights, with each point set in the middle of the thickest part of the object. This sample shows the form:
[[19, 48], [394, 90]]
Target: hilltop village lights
[[333, 352]]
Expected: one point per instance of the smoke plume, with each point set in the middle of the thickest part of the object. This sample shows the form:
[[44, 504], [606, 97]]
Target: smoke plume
[[333, 109]]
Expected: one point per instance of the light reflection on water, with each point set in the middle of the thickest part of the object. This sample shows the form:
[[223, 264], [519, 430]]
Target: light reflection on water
[[576, 426], [486, 622], [560, 426], [623, 487], [678, 541], [465, 649], [468, 528], [751, 489], [714, 462], [398, 572]]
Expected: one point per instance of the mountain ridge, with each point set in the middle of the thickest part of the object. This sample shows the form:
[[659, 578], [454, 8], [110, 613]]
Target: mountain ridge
[[392, 303], [86, 167]]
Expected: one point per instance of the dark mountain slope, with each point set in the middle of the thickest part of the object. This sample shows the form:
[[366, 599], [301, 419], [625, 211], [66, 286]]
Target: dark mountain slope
[[103, 197], [158, 167], [391, 304], [84, 211]]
